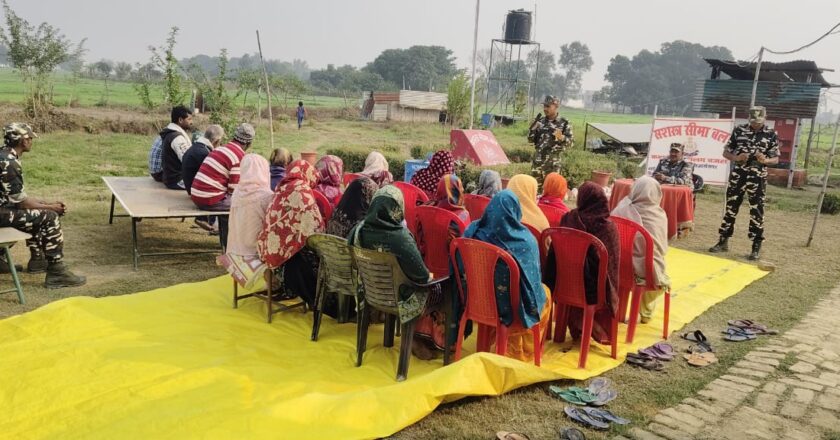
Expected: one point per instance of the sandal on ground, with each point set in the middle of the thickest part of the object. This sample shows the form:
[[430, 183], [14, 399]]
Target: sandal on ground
[[584, 418], [605, 415], [660, 351], [571, 434], [602, 388], [504, 435], [605, 396], [700, 359], [644, 361], [695, 336], [752, 327], [735, 334], [700, 347]]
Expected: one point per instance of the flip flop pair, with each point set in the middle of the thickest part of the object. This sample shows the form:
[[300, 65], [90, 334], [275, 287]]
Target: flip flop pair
[[505, 435], [599, 392], [644, 361], [571, 434], [752, 327], [701, 359], [702, 342], [595, 418], [736, 334], [660, 351]]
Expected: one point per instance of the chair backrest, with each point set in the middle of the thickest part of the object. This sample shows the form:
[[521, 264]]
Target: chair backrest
[[381, 277], [696, 183], [434, 239], [336, 264], [349, 177], [479, 264], [570, 248], [543, 244], [476, 205], [627, 233], [553, 214], [411, 196], [323, 205]]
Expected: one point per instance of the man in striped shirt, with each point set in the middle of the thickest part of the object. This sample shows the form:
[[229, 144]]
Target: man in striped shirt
[[218, 176]]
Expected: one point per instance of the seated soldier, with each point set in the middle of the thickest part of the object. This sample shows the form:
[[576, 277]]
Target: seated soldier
[[674, 169], [33, 216]]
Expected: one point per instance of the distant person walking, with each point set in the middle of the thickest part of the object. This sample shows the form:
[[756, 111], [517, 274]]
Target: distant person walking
[[301, 113]]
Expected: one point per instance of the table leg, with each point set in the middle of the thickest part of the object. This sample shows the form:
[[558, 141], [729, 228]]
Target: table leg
[[14, 274], [111, 216], [135, 254]]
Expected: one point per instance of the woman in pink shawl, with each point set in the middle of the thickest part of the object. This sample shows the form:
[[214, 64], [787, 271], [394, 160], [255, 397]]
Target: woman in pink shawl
[[330, 171]]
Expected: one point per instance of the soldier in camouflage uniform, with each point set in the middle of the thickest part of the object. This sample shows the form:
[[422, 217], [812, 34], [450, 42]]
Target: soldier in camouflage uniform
[[28, 214], [751, 147], [674, 169], [551, 135]]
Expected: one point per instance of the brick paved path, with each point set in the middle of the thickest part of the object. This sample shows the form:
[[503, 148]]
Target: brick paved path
[[787, 389]]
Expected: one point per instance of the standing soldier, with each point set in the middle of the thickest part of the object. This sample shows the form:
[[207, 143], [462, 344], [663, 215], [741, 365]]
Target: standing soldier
[[551, 135], [751, 147]]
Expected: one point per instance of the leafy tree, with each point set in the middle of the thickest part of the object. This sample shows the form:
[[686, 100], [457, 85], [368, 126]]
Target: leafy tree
[[415, 68], [104, 69], [122, 71], [164, 59], [35, 53], [347, 78], [220, 102], [665, 77], [287, 86], [144, 75], [458, 99], [248, 80], [575, 59], [75, 65]]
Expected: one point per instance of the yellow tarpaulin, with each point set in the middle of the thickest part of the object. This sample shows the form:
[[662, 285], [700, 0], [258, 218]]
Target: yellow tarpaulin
[[180, 362]]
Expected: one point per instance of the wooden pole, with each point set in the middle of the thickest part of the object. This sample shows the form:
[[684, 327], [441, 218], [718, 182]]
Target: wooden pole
[[755, 80], [808, 146], [267, 92], [825, 181], [472, 76]]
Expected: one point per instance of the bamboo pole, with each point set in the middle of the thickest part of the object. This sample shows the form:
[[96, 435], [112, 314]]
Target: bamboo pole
[[267, 92], [825, 181]]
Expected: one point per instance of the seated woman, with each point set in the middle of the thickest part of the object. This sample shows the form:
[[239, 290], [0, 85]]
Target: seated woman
[[525, 189], [291, 218], [352, 207], [592, 216], [248, 206], [501, 226], [279, 160], [643, 207], [330, 171], [382, 229], [554, 192], [449, 196], [489, 183], [376, 167], [427, 179]]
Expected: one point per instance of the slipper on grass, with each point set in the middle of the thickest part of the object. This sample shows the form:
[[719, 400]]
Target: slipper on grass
[[571, 434], [504, 435], [604, 397], [584, 419], [700, 359], [566, 395], [752, 327], [605, 415], [657, 353], [599, 383], [700, 347], [644, 361], [735, 334], [695, 336]]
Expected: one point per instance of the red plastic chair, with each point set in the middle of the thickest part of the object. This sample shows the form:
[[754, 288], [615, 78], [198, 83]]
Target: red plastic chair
[[476, 205], [349, 177], [553, 214], [541, 242], [411, 196], [323, 205], [570, 248], [434, 240], [479, 262], [627, 230]]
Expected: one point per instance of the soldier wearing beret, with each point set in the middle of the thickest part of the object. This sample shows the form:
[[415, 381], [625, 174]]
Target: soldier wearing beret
[[551, 135]]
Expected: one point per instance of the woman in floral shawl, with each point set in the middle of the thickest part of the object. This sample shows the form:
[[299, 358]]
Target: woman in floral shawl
[[383, 230], [292, 217], [330, 175], [427, 179], [376, 167]]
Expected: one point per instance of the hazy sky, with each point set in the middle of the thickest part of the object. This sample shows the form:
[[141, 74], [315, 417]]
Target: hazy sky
[[355, 32]]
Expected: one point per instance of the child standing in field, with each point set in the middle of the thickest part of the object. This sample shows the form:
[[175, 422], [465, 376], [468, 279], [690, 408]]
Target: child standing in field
[[301, 114]]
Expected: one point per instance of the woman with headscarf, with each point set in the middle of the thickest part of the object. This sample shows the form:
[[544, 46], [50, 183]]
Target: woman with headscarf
[[291, 218], [489, 183], [592, 216], [248, 206], [280, 158], [427, 179], [643, 207], [382, 229], [525, 188], [501, 226], [330, 171], [449, 196], [376, 167], [352, 207], [554, 192]]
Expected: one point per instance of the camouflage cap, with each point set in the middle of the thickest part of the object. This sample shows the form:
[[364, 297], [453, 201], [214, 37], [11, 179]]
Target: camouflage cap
[[18, 130], [551, 99], [758, 114], [678, 146]]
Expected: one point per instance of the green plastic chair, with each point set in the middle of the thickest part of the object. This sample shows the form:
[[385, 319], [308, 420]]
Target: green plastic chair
[[381, 278], [8, 237], [335, 276]]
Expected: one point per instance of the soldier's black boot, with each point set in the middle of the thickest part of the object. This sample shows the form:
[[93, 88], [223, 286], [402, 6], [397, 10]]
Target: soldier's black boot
[[4, 266], [37, 263], [721, 246], [756, 251], [58, 275]]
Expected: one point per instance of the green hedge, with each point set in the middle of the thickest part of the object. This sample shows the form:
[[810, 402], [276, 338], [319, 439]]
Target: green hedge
[[831, 204]]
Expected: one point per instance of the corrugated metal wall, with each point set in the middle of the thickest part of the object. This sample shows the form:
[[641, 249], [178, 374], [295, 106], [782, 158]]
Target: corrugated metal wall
[[782, 99], [423, 100]]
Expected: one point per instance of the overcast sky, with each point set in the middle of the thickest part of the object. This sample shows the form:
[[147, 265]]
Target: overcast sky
[[355, 32]]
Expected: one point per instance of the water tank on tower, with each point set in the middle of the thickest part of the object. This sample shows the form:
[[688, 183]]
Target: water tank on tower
[[518, 27]]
